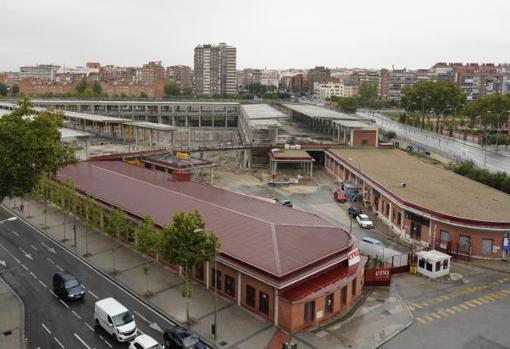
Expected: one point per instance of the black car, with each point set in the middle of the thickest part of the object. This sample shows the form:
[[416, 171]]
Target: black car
[[353, 212], [179, 337], [67, 286]]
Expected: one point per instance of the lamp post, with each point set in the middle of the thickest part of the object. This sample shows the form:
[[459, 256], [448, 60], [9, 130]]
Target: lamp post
[[498, 115], [455, 116], [485, 143]]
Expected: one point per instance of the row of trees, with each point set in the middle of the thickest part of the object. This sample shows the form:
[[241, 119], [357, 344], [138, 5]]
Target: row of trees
[[185, 242], [5, 90], [173, 90], [498, 180]]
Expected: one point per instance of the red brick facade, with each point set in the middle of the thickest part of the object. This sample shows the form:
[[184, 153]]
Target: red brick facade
[[364, 138]]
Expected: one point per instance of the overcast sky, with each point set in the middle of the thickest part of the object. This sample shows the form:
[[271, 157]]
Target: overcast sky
[[267, 33]]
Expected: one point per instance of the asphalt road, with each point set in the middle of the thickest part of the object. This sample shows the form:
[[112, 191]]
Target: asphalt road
[[447, 146], [31, 259]]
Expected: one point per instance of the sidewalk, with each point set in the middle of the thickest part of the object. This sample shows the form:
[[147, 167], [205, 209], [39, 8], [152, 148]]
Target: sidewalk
[[237, 328], [12, 318]]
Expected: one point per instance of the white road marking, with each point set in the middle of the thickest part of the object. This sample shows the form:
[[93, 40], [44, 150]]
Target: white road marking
[[15, 233], [34, 275], [142, 317], [75, 314], [28, 255], [104, 340], [53, 293], [51, 249], [81, 341], [24, 266], [10, 254], [82, 285], [42, 283], [2, 262], [50, 260], [46, 328], [34, 248], [93, 294], [59, 267], [64, 303], [58, 342], [89, 327]]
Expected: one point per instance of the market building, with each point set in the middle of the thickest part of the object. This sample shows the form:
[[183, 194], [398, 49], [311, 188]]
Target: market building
[[425, 204], [293, 268]]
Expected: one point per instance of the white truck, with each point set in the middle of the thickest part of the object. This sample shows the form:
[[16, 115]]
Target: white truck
[[116, 319]]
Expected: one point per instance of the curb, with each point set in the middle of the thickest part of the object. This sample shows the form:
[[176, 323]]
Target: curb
[[22, 314], [128, 290], [406, 326]]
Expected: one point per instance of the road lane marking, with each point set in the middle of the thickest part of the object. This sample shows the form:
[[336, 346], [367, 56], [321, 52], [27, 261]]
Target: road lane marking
[[93, 294], [64, 303], [14, 233], [46, 328], [435, 316], [58, 342], [59, 267], [142, 317], [423, 321], [463, 306], [34, 248], [51, 249], [75, 314], [50, 260], [28, 255], [443, 313], [34, 275], [24, 266], [42, 283], [82, 341], [89, 327], [104, 340], [53, 293], [428, 318], [476, 302], [450, 311]]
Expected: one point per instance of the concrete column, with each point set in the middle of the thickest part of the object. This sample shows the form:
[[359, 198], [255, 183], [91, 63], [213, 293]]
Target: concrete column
[[150, 138], [135, 130], [239, 288], [391, 214], [276, 306], [430, 233]]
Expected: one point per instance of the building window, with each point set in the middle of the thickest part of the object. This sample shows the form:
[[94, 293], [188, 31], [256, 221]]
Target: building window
[[445, 264], [230, 286], [421, 263], [429, 266], [250, 296], [354, 286], [199, 271], [310, 311], [444, 238], [216, 280], [438, 266], [465, 244], [487, 246], [330, 303], [264, 303], [344, 295]]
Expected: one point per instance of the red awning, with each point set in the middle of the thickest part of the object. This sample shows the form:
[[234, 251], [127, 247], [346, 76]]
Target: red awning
[[322, 284]]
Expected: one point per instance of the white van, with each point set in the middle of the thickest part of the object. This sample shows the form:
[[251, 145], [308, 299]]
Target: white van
[[115, 319]]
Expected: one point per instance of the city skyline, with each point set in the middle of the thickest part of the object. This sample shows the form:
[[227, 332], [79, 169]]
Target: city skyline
[[338, 35]]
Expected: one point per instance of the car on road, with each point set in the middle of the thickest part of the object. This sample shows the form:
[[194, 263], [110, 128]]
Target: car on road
[[66, 286], [364, 221], [283, 202], [339, 196], [372, 241], [353, 211], [179, 337], [115, 319], [145, 342]]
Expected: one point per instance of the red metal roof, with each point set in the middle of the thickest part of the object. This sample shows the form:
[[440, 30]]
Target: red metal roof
[[323, 283], [274, 239]]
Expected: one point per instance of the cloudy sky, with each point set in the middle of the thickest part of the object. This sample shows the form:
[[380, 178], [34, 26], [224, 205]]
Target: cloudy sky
[[267, 33]]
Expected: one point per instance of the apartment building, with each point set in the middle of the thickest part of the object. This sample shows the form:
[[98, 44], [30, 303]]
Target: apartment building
[[152, 72], [393, 81], [318, 74], [269, 77], [326, 90], [215, 70], [251, 76], [43, 72], [181, 75]]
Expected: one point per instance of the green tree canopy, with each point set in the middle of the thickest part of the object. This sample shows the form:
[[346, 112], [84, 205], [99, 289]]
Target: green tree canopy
[[347, 104], [29, 146], [15, 89], [117, 224], [432, 96], [97, 88], [82, 86], [171, 89], [147, 236], [368, 93], [489, 109], [144, 95], [3, 89], [187, 243]]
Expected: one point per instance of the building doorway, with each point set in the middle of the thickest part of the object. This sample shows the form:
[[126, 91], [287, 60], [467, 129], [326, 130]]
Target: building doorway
[[415, 231]]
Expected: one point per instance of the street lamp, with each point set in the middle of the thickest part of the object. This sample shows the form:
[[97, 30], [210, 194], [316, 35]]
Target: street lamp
[[10, 219], [485, 143], [455, 116]]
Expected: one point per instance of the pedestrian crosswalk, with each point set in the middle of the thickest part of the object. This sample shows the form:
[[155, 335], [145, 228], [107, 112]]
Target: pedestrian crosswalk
[[453, 295], [464, 306]]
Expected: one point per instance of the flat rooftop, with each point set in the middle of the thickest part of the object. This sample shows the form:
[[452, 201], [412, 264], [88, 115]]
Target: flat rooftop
[[355, 124], [92, 117], [151, 125], [316, 112], [271, 239], [428, 186], [291, 154], [122, 102], [262, 111]]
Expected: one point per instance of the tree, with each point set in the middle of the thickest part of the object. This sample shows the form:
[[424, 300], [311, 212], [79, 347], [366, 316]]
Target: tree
[[3, 89], [368, 93], [347, 104], [82, 86], [14, 89], [143, 95], [148, 237], [171, 89], [97, 88], [29, 147], [146, 271], [187, 91], [187, 243], [117, 226]]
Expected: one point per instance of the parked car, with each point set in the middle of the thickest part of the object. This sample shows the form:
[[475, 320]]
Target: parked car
[[179, 337], [372, 241], [364, 221], [339, 196], [145, 342], [283, 202], [67, 286], [353, 211], [115, 319]]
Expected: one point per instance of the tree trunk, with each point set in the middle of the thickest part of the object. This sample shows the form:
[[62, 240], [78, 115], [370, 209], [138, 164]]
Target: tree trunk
[[188, 319]]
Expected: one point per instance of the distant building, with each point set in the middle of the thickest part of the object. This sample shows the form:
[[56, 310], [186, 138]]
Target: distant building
[[215, 70], [326, 90], [318, 74], [251, 76], [152, 72], [37, 87], [269, 78], [43, 72], [181, 75], [393, 81], [295, 83]]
